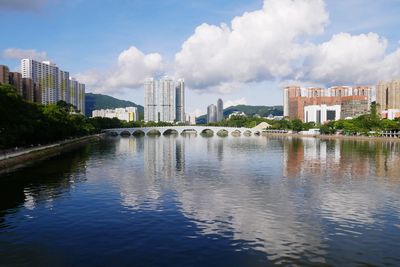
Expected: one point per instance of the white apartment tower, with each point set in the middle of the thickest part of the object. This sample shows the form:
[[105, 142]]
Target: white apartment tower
[[56, 84], [150, 100], [45, 73], [167, 100], [164, 100], [64, 92]]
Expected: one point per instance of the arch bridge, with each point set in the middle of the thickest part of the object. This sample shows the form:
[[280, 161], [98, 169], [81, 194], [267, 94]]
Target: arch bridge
[[183, 129]]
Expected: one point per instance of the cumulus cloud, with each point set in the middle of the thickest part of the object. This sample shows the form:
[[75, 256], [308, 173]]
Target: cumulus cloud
[[22, 4], [240, 101], [259, 45], [347, 59], [16, 53], [132, 68]]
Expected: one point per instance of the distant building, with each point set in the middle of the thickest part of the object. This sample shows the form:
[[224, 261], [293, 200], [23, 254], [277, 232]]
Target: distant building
[[190, 119], [388, 99], [150, 100], [321, 113], [211, 113], [220, 110], [164, 100], [237, 113], [54, 83], [127, 114], [354, 101], [180, 100], [4, 74]]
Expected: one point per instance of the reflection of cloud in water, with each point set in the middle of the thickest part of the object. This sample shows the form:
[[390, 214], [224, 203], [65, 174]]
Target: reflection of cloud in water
[[350, 206], [233, 187], [266, 219]]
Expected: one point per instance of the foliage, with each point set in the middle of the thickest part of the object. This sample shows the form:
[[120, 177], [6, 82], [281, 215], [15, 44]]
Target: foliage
[[24, 123]]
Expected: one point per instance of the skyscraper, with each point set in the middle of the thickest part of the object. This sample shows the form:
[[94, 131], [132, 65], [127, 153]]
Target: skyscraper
[[211, 113], [164, 100], [180, 100], [16, 81], [150, 100], [167, 100], [54, 84], [47, 74], [220, 110], [388, 99], [4, 74]]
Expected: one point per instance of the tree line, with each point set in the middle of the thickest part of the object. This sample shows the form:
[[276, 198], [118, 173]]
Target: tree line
[[368, 124]]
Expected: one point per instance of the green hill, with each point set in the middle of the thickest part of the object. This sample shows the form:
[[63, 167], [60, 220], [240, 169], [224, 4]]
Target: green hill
[[263, 111], [99, 101]]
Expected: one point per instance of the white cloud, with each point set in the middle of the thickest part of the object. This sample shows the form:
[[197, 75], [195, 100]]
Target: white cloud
[[259, 45], [240, 101], [346, 59], [17, 53], [132, 68]]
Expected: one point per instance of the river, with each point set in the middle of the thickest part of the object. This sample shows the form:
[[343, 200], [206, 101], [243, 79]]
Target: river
[[198, 201]]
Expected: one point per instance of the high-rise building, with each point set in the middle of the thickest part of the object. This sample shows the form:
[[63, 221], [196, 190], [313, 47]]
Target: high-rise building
[[4, 74], [15, 79], [220, 110], [47, 74], [354, 101], [28, 89], [167, 93], [64, 87], [81, 98], [211, 113], [150, 100], [388, 99], [54, 84], [180, 101], [164, 100]]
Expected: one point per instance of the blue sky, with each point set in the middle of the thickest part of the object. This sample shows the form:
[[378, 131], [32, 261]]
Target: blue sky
[[85, 36]]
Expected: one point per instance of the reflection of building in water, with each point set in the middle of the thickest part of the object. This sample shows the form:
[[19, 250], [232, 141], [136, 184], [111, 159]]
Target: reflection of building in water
[[165, 154], [387, 161], [337, 158], [309, 155], [180, 155], [128, 145]]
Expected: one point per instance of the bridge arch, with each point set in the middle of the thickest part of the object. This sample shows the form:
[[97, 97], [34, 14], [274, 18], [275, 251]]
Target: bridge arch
[[236, 133], [170, 132], [125, 133], [188, 131], [138, 132], [223, 133], [247, 133], [153, 132], [207, 132]]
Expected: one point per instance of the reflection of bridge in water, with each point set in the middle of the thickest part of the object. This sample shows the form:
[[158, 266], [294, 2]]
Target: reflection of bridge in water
[[182, 129]]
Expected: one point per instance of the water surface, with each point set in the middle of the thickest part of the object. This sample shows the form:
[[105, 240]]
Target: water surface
[[196, 201]]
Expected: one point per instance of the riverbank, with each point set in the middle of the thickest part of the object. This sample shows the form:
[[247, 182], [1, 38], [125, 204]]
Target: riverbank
[[336, 137], [14, 159]]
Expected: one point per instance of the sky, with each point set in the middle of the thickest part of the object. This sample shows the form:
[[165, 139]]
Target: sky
[[241, 51]]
